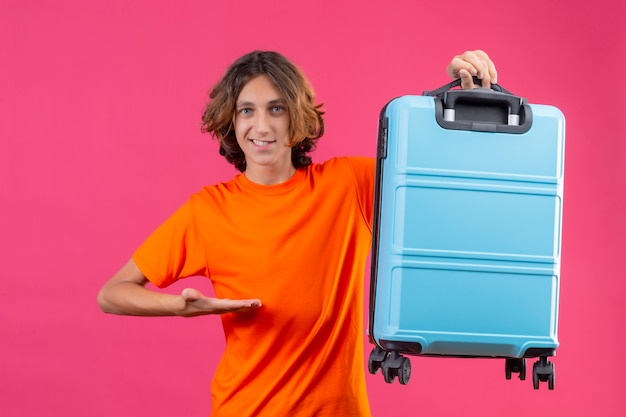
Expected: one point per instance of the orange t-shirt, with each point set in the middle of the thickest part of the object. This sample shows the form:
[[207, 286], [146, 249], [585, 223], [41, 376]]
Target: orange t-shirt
[[301, 248]]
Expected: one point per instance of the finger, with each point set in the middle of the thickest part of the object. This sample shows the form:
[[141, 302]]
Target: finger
[[488, 69], [208, 305], [493, 73], [226, 305], [467, 82], [457, 65]]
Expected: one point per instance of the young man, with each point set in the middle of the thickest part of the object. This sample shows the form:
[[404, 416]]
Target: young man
[[284, 244]]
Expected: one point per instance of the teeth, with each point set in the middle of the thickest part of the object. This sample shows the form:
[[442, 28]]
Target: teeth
[[259, 142]]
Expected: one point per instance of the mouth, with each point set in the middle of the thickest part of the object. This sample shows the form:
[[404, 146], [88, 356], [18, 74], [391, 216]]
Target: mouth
[[261, 143]]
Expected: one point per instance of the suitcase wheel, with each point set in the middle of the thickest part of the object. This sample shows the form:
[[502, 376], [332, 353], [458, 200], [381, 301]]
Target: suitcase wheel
[[404, 372], [392, 364], [543, 371], [515, 365], [376, 358], [396, 366]]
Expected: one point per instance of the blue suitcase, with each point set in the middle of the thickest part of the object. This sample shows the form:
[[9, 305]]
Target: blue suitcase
[[467, 231]]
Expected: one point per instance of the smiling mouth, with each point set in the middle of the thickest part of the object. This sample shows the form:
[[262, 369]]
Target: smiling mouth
[[260, 142]]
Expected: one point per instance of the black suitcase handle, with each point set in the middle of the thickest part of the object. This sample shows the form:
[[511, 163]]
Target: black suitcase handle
[[480, 109]]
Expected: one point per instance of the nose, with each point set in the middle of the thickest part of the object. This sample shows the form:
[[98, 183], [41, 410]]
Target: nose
[[262, 123]]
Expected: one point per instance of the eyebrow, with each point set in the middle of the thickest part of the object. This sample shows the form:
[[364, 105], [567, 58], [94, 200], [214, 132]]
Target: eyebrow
[[269, 103]]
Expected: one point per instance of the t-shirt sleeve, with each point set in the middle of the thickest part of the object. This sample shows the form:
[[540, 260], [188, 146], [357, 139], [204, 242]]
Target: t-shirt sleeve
[[173, 251], [365, 173]]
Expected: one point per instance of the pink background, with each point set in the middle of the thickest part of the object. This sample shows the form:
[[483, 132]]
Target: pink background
[[100, 105]]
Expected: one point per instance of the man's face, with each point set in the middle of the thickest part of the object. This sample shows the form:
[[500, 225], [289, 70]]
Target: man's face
[[262, 125]]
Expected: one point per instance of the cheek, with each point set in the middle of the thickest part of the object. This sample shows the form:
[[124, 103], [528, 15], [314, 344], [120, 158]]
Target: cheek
[[240, 129], [284, 126]]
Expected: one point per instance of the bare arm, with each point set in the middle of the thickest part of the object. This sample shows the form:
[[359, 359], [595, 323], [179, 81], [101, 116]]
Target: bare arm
[[126, 294]]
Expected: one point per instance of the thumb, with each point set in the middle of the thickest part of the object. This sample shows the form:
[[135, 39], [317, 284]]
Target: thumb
[[189, 294]]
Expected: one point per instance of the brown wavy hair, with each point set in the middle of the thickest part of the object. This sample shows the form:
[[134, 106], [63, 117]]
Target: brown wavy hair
[[306, 124]]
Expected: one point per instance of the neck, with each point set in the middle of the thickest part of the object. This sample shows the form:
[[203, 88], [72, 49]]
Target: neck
[[265, 175]]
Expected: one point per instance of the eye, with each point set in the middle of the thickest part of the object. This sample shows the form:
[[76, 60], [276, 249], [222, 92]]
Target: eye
[[277, 109], [245, 111]]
